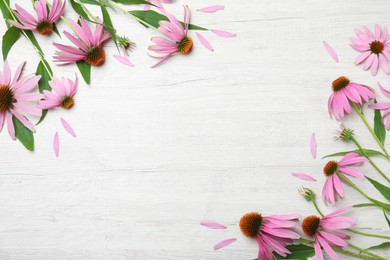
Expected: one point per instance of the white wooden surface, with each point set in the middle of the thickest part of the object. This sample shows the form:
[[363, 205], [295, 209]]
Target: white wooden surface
[[210, 136]]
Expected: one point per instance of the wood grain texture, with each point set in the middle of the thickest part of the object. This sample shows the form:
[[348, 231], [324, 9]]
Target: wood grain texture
[[209, 136]]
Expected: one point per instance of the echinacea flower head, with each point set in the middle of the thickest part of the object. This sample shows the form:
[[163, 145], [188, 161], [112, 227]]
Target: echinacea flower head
[[346, 92], [62, 94], [344, 134], [178, 40], [326, 234], [375, 48], [89, 46], [126, 44], [332, 188], [17, 99], [272, 233], [44, 24]]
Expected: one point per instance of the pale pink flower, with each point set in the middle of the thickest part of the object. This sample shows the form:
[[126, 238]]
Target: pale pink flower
[[63, 91], [89, 46], [44, 24], [17, 99], [326, 234], [346, 92], [332, 188], [375, 48], [272, 233], [384, 106]]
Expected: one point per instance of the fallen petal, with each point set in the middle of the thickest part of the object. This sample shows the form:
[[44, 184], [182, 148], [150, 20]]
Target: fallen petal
[[303, 176], [67, 127], [224, 243], [123, 60], [211, 9], [56, 145], [223, 33], [212, 224], [331, 51], [313, 146], [204, 42]]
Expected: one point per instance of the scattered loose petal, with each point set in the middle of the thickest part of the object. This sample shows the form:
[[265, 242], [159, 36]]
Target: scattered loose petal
[[303, 176], [211, 9], [224, 243], [56, 145], [123, 60], [212, 224], [223, 33], [67, 127], [204, 42], [383, 90], [313, 146], [331, 51]]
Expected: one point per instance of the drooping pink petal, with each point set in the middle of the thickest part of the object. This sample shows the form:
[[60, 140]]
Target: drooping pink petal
[[212, 224], [383, 90], [224, 243], [67, 127], [332, 53], [56, 145], [211, 9], [204, 42], [303, 176], [313, 146], [123, 60], [223, 33]]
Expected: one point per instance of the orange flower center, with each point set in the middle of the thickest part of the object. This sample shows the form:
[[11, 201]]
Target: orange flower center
[[95, 56], [310, 225], [185, 45], [330, 168], [6, 98], [250, 224], [340, 83], [376, 47], [67, 102], [45, 27]]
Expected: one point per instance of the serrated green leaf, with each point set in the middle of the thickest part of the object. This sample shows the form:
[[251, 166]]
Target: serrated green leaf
[[298, 252], [379, 129], [5, 12], [23, 134], [9, 39], [369, 152], [151, 19], [380, 246], [85, 70], [79, 9], [384, 190]]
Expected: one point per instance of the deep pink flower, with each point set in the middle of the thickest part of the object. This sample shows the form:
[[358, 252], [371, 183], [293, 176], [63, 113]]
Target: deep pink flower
[[326, 234], [332, 188], [63, 91], [346, 92], [16, 98], [89, 46], [375, 48], [272, 233], [45, 22]]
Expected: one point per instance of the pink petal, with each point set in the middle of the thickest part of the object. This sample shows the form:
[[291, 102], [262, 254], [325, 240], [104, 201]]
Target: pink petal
[[224, 243], [223, 33], [204, 42], [383, 90], [303, 176], [56, 145], [212, 224], [67, 127], [313, 146], [332, 53], [211, 9], [123, 60]]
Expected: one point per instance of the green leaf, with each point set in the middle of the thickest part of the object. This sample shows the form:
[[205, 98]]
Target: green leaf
[[10, 37], [298, 252], [108, 25], [384, 206], [43, 82], [55, 29], [85, 70], [34, 41], [379, 129], [5, 12], [380, 246], [132, 2], [91, 2], [387, 219], [152, 18], [384, 190], [362, 205], [369, 152], [23, 134], [79, 10]]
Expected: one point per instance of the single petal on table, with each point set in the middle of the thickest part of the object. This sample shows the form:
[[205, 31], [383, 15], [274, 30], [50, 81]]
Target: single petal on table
[[224, 243], [56, 145], [332, 53], [67, 127], [123, 60], [303, 176], [211, 9], [223, 33], [204, 42], [313, 146], [212, 224]]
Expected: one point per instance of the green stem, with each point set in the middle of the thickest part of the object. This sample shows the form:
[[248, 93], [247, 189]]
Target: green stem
[[365, 251], [356, 188], [317, 208], [359, 112], [39, 53], [368, 234], [369, 159]]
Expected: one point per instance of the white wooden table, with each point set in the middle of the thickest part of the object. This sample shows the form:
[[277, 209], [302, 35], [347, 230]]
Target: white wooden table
[[210, 136]]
